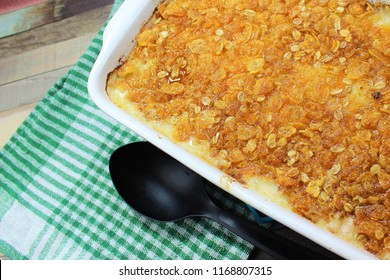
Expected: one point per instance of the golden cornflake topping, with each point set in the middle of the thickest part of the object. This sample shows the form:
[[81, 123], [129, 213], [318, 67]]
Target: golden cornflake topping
[[296, 92]]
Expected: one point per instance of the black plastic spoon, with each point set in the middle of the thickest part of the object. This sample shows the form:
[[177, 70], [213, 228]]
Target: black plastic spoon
[[161, 188]]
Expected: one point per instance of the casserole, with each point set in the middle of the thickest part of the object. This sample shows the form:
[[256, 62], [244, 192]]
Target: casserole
[[117, 45]]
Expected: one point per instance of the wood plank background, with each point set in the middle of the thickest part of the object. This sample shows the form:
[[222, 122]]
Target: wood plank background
[[32, 61], [32, 14], [7, 6]]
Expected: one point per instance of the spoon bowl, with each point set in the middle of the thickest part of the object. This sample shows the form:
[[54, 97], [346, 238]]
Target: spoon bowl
[[161, 188]]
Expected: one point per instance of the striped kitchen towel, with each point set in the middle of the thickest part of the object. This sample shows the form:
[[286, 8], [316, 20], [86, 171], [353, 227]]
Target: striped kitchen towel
[[57, 200]]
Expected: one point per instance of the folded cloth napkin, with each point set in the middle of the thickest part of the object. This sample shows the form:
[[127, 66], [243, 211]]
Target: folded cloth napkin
[[57, 200]]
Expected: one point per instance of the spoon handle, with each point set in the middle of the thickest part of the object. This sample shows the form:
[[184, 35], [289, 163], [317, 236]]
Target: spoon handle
[[270, 242]]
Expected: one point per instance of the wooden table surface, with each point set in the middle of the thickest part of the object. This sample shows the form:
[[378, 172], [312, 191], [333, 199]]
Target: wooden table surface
[[32, 61]]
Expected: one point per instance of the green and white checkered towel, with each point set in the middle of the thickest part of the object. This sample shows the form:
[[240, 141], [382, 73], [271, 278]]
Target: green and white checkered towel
[[57, 200]]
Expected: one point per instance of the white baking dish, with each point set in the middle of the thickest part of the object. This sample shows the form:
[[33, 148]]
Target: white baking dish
[[118, 40]]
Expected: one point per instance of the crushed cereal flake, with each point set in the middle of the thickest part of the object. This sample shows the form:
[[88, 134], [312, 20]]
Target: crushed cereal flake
[[296, 92]]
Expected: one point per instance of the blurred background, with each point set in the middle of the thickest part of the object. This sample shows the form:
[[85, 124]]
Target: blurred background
[[39, 42]]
